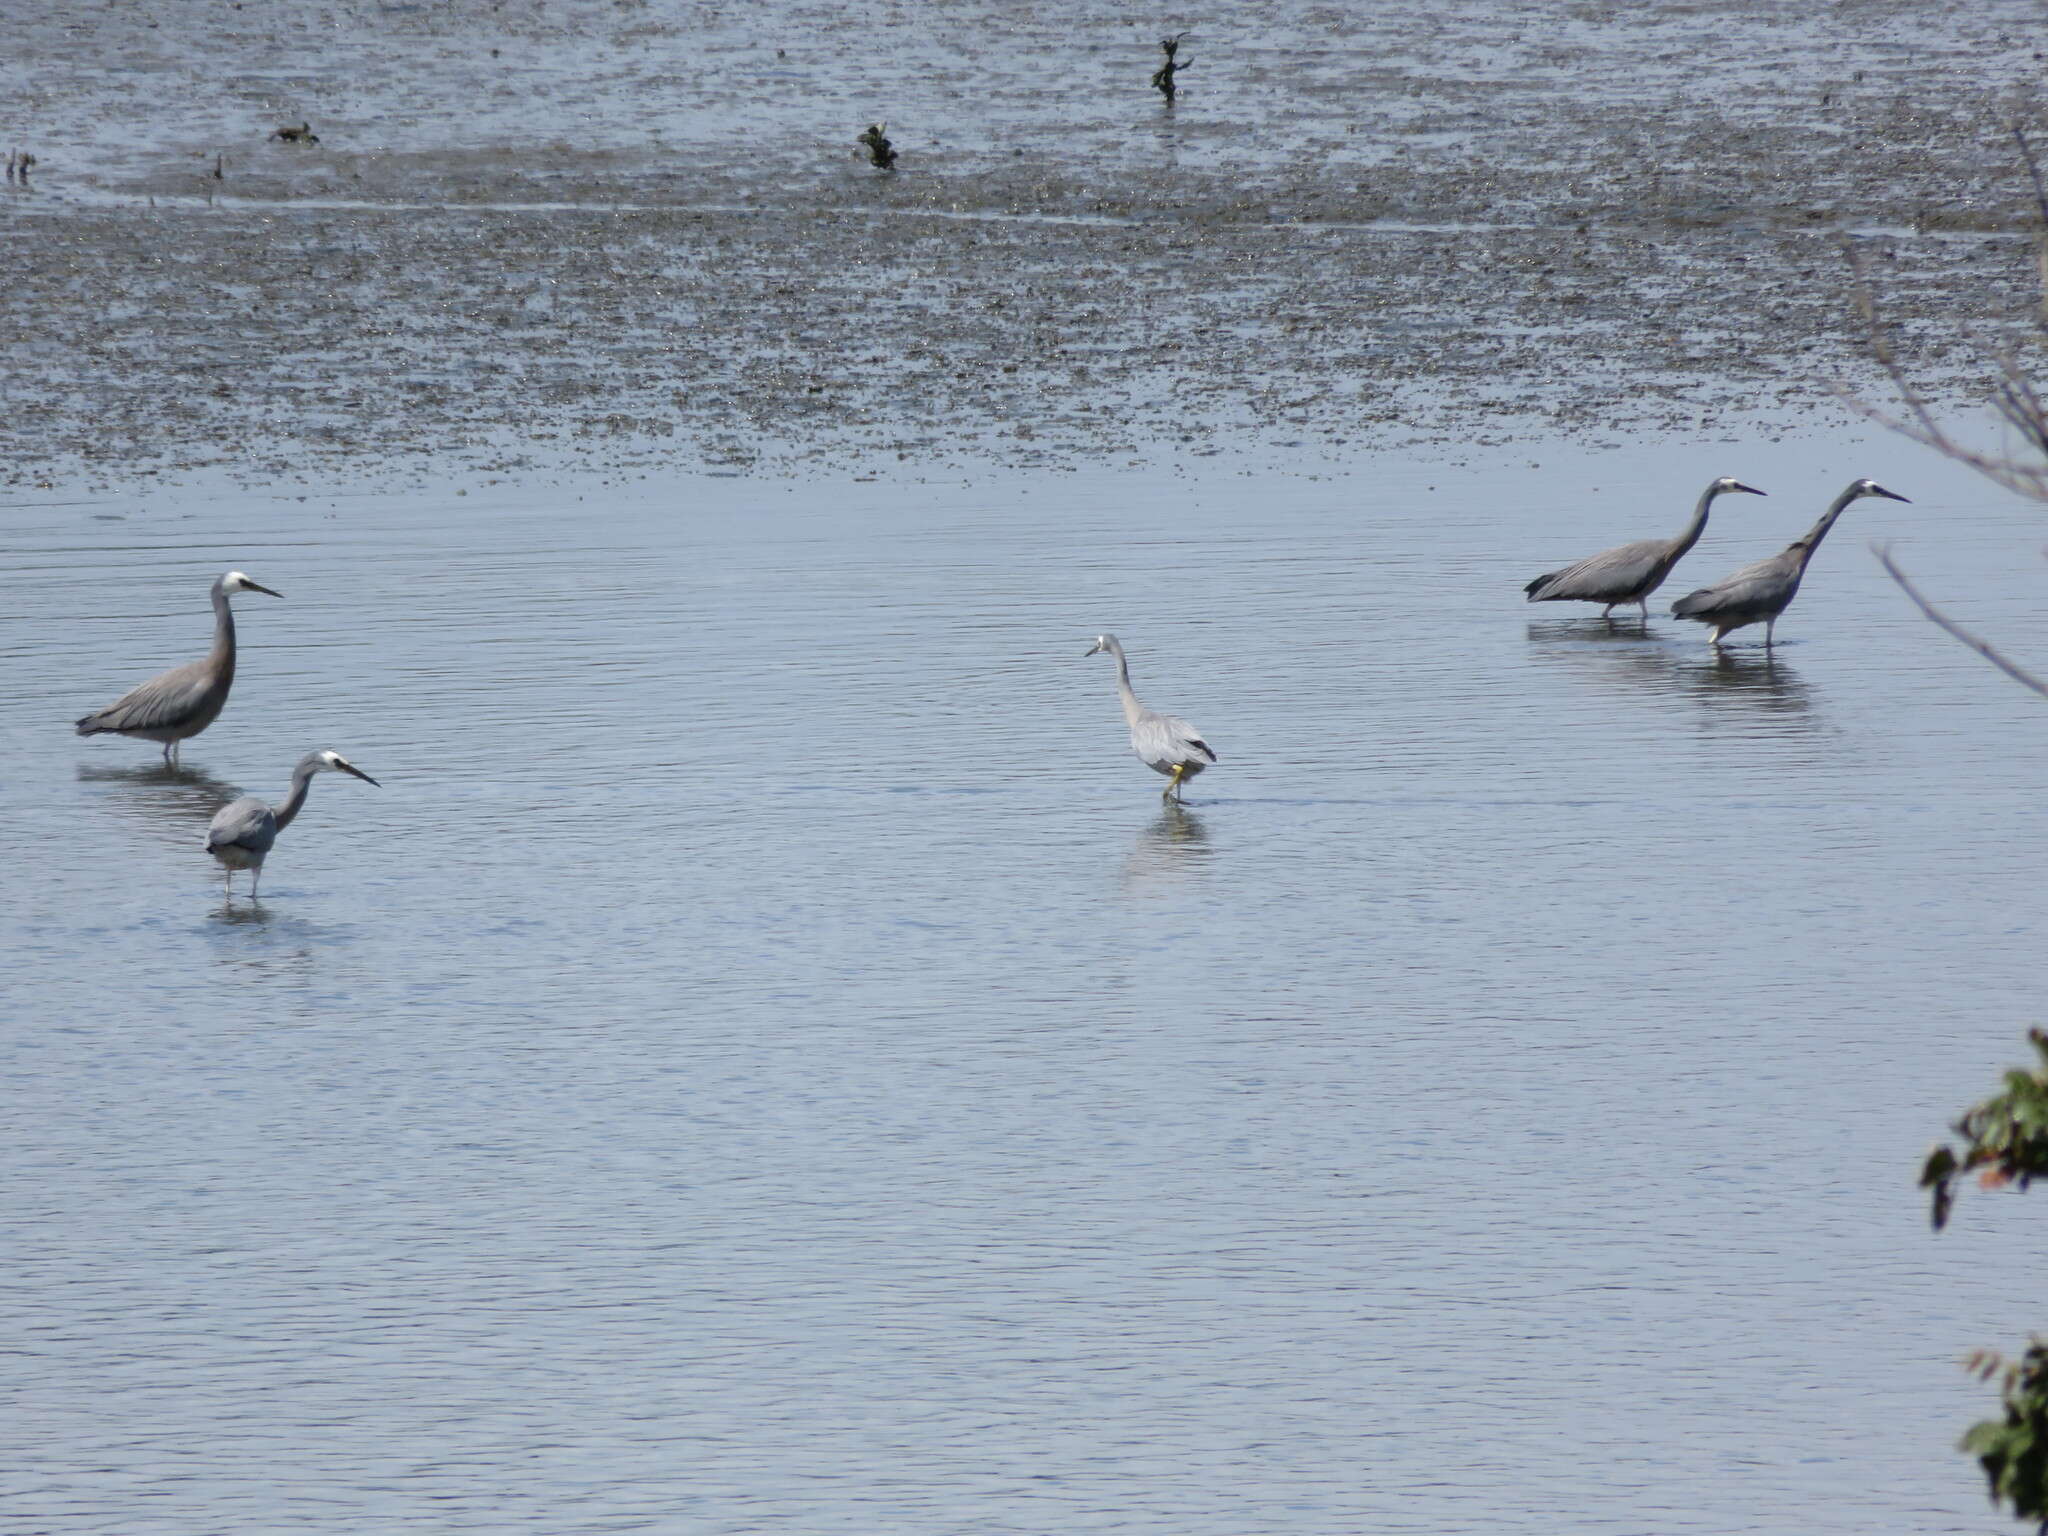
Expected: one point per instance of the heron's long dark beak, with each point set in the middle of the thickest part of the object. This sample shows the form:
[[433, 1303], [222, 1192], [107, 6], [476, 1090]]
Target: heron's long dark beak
[[352, 768], [1090, 652], [1878, 490], [1751, 489], [255, 586]]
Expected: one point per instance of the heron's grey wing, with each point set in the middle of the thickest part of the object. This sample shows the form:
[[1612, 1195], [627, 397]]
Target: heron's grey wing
[[1161, 738], [244, 823], [1761, 585], [163, 701], [1620, 571]]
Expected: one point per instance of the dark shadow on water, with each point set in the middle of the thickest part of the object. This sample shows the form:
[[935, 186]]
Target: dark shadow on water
[[1174, 848], [241, 912], [1633, 630], [158, 790], [254, 941], [1749, 681]]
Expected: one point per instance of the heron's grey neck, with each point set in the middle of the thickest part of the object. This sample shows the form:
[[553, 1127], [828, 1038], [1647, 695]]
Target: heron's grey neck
[[1691, 535], [302, 780], [1819, 530], [1132, 708], [223, 627]]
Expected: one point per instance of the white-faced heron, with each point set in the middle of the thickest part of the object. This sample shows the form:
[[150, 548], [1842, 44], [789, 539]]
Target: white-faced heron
[[1758, 593], [1164, 743], [1629, 573], [185, 700], [243, 830]]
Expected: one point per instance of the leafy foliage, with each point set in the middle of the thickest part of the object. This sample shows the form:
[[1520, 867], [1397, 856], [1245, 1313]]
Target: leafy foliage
[[2005, 1139], [2014, 1450]]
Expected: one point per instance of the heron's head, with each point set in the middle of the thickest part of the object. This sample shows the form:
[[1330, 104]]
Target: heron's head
[[1102, 643], [236, 581], [1872, 488], [1730, 483], [341, 764]]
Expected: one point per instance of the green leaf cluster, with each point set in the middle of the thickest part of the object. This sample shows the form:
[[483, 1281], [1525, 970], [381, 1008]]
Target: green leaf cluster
[[2013, 1451], [2004, 1139]]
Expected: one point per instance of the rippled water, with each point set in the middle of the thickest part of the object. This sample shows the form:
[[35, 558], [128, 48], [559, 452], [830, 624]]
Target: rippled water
[[766, 1060]]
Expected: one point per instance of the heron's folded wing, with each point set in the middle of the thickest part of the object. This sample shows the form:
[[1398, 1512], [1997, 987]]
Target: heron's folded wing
[[1753, 584], [244, 823], [161, 702], [1620, 569]]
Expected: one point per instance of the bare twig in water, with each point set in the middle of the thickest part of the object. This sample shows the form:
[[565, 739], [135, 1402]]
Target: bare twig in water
[[1982, 647]]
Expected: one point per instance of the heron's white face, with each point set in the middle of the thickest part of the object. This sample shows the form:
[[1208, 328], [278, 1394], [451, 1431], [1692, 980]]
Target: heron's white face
[[334, 760], [1101, 644], [241, 581], [1872, 488]]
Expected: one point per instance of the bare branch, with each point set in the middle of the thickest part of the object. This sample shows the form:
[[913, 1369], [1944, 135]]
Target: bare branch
[[1982, 647]]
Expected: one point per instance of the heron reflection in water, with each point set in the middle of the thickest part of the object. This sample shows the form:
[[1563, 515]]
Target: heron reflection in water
[[1169, 850], [1758, 681], [160, 793]]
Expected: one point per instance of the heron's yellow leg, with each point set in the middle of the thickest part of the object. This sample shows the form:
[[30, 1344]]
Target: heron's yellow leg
[[1172, 789]]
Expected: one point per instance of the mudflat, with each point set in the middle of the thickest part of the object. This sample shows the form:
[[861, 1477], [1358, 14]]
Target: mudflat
[[632, 233]]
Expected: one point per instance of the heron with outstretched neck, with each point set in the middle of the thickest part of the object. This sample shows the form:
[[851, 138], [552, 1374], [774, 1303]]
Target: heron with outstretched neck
[[185, 700], [243, 831], [1164, 743], [1759, 593], [1629, 573]]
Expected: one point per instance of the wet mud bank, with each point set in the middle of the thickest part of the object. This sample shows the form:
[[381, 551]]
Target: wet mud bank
[[627, 234]]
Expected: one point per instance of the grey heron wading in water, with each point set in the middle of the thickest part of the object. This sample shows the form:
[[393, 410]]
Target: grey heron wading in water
[[243, 831], [1164, 743], [185, 700], [1629, 573], [1758, 593]]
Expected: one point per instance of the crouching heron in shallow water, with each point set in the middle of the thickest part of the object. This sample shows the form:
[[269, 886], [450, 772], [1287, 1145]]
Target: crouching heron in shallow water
[[1164, 743], [1758, 593], [1629, 573], [185, 700], [243, 831]]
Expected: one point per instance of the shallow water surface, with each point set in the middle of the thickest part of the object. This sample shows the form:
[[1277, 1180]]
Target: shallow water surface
[[766, 1059]]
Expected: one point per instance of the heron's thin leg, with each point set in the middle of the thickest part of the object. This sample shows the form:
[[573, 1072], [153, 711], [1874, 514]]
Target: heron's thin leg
[[1607, 613], [1172, 790], [1770, 630], [1642, 604]]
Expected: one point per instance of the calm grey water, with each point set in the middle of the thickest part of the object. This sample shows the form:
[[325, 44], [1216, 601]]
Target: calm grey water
[[764, 1061]]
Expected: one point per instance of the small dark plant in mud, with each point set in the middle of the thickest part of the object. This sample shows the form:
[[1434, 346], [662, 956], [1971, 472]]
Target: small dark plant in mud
[[1162, 77], [303, 134], [19, 163], [881, 153]]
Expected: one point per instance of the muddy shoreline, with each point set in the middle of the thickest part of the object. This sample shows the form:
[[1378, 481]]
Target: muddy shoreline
[[1415, 227]]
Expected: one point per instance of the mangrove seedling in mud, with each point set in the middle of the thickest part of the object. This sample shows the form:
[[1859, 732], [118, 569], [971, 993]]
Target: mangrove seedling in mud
[[881, 153], [2005, 1142], [303, 134], [1162, 77]]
